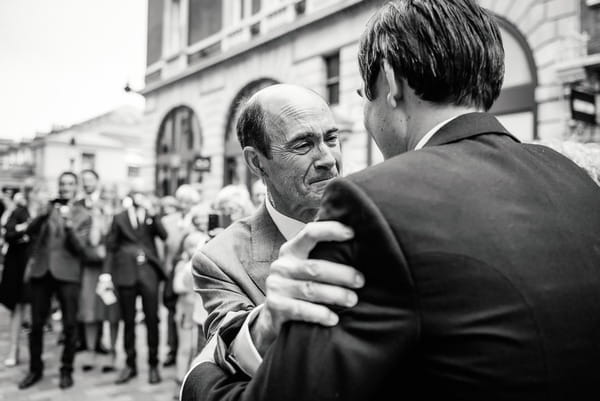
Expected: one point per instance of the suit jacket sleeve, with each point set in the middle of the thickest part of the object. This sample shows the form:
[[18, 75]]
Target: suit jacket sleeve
[[78, 235], [112, 245], [351, 361], [35, 227], [220, 294], [159, 228], [18, 216]]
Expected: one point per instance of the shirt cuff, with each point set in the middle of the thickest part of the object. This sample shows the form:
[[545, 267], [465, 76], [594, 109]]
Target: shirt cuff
[[242, 348]]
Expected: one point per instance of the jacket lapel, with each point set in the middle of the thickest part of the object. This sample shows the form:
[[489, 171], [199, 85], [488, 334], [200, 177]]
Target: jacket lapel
[[126, 225], [265, 243], [467, 126]]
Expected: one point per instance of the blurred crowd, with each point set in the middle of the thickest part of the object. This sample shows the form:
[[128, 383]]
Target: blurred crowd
[[99, 298]]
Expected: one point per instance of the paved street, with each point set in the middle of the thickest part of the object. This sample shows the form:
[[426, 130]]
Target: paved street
[[89, 386]]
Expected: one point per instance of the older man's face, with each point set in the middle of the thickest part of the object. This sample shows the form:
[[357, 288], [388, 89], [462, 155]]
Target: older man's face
[[305, 153]]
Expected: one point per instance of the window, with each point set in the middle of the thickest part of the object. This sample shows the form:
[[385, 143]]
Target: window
[[133, 171], [88, 161], [179, 141], [516, 107], [255, 6], [332, 66], [243, 9], [173, 44], [204, 20], [155, 31]]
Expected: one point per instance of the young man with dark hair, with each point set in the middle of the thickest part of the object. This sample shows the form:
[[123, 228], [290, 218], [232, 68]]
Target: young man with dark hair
[[133, 268], [59, 237], [480, 253]]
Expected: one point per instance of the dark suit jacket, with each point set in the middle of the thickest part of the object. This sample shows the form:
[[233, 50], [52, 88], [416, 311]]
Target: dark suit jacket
[[123, 244], [231, 269], [482, 265], [64, 259]]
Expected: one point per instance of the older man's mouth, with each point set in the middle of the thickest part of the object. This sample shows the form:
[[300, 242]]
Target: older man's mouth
[[321, 181]]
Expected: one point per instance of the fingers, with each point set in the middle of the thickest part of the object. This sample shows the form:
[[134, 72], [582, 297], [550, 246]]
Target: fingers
[[288, 309], [310, 291], [318, 270], [319, 231]]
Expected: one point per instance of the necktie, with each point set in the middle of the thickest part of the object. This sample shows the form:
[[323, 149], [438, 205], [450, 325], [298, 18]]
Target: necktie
[[140, 217]]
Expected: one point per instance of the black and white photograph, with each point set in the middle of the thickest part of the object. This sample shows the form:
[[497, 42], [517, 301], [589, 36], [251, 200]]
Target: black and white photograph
[[299, 200]]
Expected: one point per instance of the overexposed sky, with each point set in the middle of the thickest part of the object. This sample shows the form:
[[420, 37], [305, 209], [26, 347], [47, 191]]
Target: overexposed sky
[[64, 61]]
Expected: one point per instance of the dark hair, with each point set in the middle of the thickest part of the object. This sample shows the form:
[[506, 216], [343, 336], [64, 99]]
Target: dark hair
[[72, 174], [447, 51], [251, 127], [90, 171]]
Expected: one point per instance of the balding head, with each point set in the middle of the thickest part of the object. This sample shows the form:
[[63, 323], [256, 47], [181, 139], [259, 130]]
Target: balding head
[[290, 140], [266, 112]]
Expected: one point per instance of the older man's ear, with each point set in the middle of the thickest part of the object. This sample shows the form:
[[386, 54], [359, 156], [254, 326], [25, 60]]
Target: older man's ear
[[252, 158]]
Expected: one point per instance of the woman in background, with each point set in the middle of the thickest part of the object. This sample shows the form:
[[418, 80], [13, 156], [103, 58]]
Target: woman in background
[[13, 293]]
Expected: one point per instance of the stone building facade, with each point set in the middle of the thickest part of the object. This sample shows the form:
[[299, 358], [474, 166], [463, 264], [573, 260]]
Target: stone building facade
[[205, 56], [111, 144]]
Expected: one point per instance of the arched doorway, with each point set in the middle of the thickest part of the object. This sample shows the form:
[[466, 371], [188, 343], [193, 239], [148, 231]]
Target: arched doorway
[[234, 167], [178, 143], [516, 107]]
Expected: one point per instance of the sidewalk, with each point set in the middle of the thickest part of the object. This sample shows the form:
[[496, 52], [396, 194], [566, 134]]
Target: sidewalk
[[89, 386]]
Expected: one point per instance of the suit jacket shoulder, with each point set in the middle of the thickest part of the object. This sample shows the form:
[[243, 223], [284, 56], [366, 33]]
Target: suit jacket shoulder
[[230, 270]]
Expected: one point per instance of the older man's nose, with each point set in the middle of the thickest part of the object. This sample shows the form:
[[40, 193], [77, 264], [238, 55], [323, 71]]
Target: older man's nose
[[326, 158]]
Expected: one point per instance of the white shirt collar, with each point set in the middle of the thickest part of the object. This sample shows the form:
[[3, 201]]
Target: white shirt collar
[[433, 131], [287, 226], [135, 215]]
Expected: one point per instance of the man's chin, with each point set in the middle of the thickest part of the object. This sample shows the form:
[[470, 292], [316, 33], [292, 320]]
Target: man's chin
[[319, 186]]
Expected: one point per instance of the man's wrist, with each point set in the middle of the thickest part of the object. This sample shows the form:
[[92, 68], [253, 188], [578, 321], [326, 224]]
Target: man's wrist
[[105, 277], [242, 351], [261, 331]]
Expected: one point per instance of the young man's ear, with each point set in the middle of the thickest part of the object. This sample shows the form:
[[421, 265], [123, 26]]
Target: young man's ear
[[253, 161], [395, 91]]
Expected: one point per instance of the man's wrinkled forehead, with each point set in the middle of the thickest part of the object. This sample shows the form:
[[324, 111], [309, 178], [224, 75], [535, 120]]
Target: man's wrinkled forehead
[[310, 111]]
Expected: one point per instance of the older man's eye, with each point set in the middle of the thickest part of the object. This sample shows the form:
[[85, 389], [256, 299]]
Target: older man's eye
[[301, 147], [332, 140]]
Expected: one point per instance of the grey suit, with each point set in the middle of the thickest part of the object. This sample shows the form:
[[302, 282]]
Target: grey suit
[[56, 269], [58, 250], [230, 270]]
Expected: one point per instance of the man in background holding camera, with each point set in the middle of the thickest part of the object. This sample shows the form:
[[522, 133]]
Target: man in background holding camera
[[134, 268], [290, 140], [59, 237]]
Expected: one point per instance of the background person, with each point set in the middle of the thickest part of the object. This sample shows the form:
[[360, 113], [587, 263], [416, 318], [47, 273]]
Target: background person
[[14, 292], [91, 308], [183, 285], [259, 192], [177, 224], [60, 234], [133, 268]]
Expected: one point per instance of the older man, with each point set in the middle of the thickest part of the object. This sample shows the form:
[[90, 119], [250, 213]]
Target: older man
[[480, 253], [289, 139]]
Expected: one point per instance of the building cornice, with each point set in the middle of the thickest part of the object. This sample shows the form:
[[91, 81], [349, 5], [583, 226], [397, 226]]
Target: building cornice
[[255, 43], [574, 70]]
